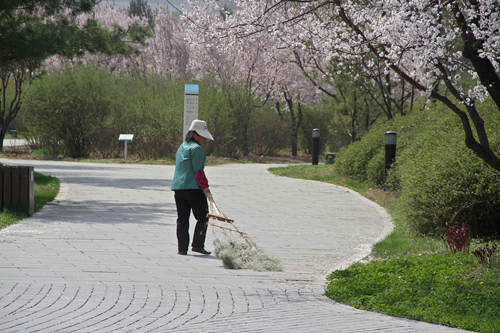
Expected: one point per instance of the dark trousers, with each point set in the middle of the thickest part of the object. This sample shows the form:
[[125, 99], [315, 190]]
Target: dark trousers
[[187, 200]]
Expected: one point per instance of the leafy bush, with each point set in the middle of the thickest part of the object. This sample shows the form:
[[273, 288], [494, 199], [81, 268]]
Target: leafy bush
[[439, 180], [216, 110], [316, 117], [67, 111], [375, 169], [81, 111], [268, 133], [153, 111], [353, 160], [237, 125]]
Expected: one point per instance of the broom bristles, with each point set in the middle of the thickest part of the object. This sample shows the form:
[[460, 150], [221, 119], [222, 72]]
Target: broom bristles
[[238, 250]]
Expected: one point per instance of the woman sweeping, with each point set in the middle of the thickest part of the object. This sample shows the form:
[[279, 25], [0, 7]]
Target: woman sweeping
[[190, 186]]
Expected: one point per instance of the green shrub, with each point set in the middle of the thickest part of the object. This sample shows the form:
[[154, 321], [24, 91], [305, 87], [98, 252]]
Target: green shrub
[[237, 125], [81, 111], [353, 160], [268, 133], [67, 110], [153, 110], [316, 117], [439, 180], [375, 169], [364, 159]]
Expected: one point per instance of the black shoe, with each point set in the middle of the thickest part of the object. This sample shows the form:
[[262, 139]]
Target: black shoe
[[200, 250], [183, 253]]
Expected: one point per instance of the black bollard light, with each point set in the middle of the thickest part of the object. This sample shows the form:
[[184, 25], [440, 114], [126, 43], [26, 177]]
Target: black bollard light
[[315, 147], [390, 139]]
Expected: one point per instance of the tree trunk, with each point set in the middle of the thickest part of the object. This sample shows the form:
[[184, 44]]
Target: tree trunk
[[4, 126], [295, 122], [245, 145], [483, 66], [293, 125], [354, 116], [2, 136], [9, 110]]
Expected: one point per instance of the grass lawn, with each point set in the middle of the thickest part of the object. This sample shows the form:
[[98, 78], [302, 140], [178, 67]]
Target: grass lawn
[[46, 189], [412, 277]]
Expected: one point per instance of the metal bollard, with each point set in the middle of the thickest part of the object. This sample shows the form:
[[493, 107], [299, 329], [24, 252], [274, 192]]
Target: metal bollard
[[315, 146], [390, 139]]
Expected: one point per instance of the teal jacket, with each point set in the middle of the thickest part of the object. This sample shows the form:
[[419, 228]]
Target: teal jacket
[[190, 158]]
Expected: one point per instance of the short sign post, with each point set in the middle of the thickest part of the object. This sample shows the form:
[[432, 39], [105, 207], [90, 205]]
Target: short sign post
[[126, 138], [27, 188], [191, 93]]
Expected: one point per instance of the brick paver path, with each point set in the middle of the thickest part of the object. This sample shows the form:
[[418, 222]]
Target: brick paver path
[[104, 258]]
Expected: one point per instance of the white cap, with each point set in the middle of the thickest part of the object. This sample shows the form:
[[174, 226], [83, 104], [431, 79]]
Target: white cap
[[201, 128]]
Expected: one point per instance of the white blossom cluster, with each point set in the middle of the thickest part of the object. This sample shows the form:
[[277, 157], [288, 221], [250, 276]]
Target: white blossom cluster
[[292, 51], [295, 48], [228, 48], [420, 39]]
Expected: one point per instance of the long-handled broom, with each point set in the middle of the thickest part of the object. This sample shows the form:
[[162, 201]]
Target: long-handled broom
[[236, 249]]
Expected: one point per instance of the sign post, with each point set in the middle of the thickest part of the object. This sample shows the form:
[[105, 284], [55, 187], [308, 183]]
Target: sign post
[[191, 93], [126, 138]]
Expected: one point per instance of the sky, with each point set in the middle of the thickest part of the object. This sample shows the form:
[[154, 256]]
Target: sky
[[153, 3]]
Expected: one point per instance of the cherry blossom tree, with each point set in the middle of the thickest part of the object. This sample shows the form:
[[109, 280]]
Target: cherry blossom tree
[[237, 66], [437, 46], [294, 90], [166, 53], [220, 47]]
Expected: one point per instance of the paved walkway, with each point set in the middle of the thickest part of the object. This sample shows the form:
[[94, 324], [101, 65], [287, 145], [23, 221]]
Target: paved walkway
[[104, 258]]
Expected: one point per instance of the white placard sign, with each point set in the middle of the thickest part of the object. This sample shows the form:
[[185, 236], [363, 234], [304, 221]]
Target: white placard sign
[[126, 137], [191, 94]]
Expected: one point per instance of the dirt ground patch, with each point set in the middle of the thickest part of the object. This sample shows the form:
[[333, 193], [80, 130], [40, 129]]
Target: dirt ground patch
[[25, 153], [279, 158]]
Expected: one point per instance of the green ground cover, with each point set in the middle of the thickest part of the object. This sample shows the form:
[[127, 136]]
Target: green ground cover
[[452, 290]]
